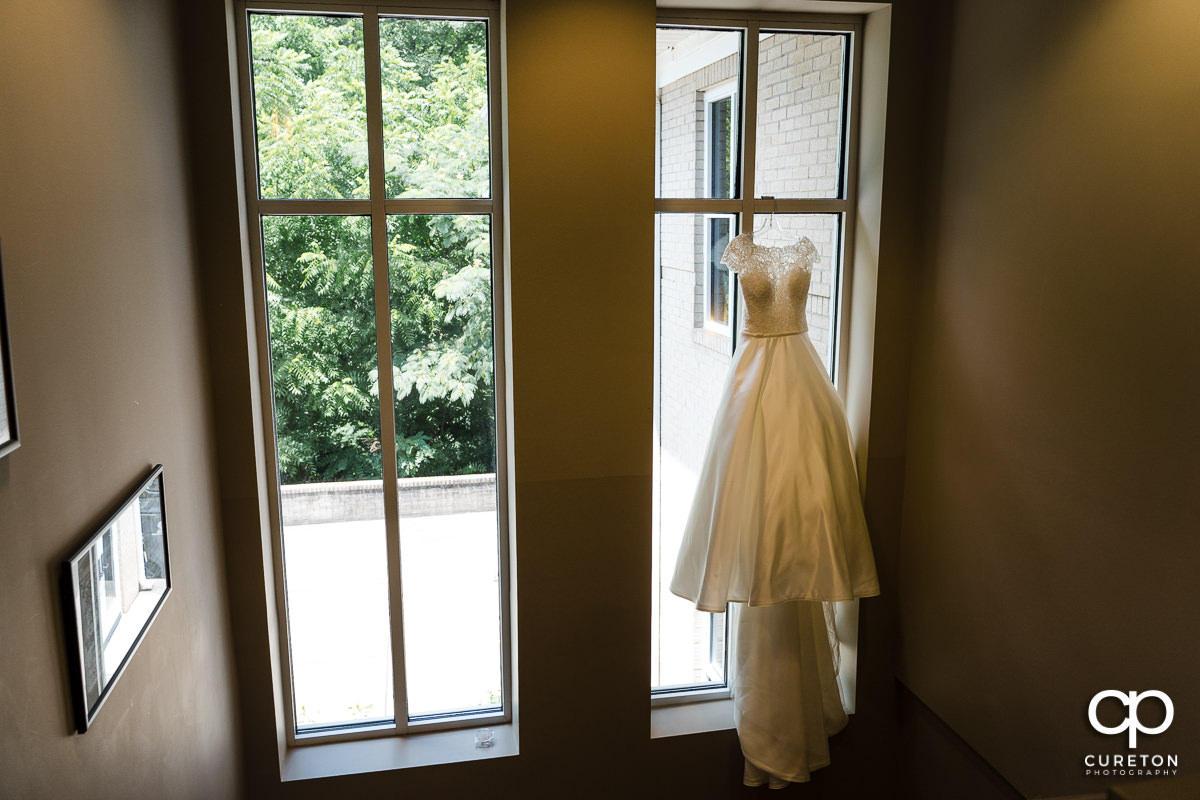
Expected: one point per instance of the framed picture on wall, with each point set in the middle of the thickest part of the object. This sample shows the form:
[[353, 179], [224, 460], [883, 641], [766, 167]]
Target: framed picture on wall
[[9, 439], [113, 588]]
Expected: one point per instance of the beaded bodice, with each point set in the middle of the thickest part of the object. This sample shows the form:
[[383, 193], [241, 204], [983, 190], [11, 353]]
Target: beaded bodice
[[774, 283]]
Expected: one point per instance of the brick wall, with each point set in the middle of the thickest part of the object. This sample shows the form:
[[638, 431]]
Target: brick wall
[[799, 99]]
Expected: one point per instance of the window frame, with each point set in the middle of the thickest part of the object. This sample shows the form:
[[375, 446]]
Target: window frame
[[746, 205], [378, 207]]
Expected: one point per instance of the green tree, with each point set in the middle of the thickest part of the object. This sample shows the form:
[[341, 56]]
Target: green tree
[[310, 117]]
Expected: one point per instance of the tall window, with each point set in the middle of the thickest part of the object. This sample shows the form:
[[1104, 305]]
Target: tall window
[[755, 115], [372, 176]]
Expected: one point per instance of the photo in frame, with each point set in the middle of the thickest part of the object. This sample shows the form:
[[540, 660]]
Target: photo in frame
[[113, 588], [9, 438]]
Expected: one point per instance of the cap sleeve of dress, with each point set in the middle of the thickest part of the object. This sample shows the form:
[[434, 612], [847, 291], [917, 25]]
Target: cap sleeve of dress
[[737, 252], [809, 251]]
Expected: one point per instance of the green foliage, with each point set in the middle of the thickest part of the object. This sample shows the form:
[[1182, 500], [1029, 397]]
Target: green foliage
[[310, 116], [435, 107], [310, 106]]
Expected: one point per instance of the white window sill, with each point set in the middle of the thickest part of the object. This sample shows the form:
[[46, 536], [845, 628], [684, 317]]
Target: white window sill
[[717, 338], [683, 718], [395, 752]]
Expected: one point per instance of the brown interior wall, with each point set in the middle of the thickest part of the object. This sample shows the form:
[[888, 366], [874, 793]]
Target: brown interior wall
[[1050, 506], [206, 36], [110, 369]]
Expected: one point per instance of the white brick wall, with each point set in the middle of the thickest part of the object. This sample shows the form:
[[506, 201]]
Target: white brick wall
[[799, 130]]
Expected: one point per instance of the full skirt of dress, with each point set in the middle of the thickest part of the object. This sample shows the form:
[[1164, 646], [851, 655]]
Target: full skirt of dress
[[777, 515]]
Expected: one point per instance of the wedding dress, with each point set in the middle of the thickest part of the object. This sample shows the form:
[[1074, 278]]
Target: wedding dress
[[776, 524], [777, 514]]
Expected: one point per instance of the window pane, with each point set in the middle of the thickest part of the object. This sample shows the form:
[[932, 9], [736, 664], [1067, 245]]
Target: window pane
[[698, 111], [717, 286], [720, 138], [435, 107], [825, 232], [84, 572], [800, 115], [691, 364], [441, 298], [309, 106], [320, 305]]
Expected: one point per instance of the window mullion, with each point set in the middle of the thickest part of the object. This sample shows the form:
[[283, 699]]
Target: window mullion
[[383, 339], [749, 122], [697, 205], [438, 205], [801, 205], [852, 92], [277, 206], [499, 350], [782, 205], [749, 128]]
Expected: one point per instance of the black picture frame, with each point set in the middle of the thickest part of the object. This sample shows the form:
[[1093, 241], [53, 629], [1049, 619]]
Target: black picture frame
[[113, 588], [10, 438]]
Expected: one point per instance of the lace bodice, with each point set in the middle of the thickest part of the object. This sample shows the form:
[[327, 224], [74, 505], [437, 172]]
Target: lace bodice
[[774, 283]]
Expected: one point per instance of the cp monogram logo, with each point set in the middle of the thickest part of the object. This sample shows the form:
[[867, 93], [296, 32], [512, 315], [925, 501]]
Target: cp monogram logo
[[1131, 722]]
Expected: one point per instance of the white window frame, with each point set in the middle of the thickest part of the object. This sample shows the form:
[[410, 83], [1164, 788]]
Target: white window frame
[[747, 206], [378, 207]]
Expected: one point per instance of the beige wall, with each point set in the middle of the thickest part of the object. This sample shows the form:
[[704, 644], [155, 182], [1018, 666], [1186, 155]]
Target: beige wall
[[1049, 542], [111, 378]]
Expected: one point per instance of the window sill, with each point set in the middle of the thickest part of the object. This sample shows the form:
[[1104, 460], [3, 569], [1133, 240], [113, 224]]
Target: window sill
[[394, 752], [717, 338], [684, 718]]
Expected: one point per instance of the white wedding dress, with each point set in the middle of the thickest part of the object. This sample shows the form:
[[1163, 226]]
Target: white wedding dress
[[777, 522]]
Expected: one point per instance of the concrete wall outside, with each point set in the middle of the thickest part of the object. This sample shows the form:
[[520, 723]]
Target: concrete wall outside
[[349, 501]]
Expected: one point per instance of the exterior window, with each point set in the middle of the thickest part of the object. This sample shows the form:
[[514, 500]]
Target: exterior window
[[371, 182], [755, 114], [720, 161], [718, 232], [720, 124]]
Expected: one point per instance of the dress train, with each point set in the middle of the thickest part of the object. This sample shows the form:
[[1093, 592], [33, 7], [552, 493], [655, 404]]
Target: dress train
[[785, 693]]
